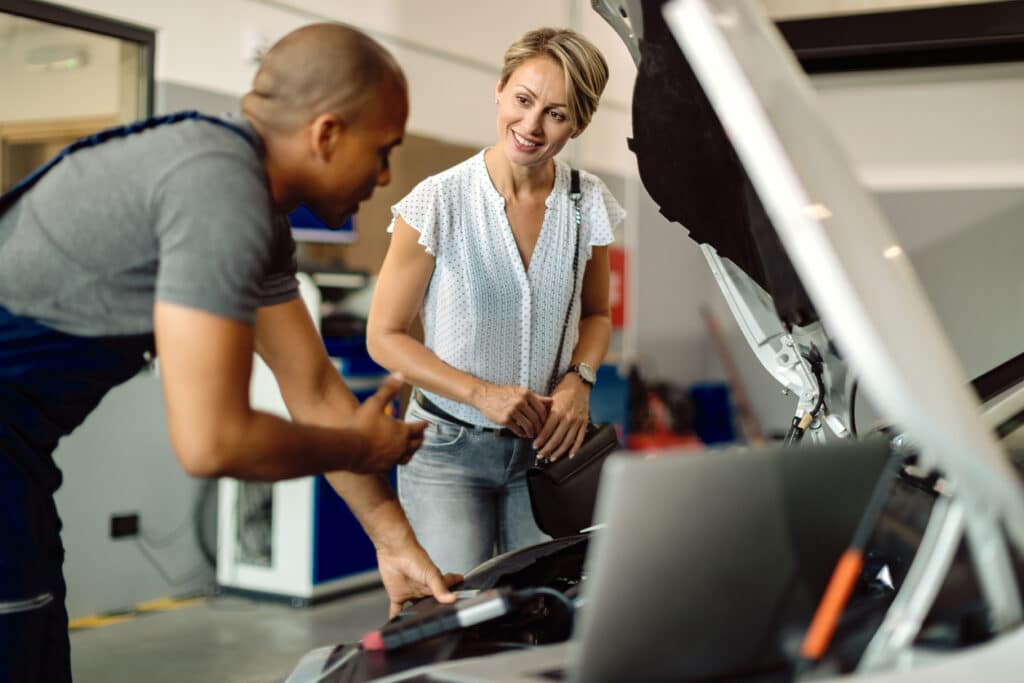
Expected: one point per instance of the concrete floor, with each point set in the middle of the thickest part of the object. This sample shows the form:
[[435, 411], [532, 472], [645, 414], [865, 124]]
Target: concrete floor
[[227, 639]]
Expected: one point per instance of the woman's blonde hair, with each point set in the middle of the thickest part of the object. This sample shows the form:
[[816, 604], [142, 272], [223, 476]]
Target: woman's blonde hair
[[586, 72]]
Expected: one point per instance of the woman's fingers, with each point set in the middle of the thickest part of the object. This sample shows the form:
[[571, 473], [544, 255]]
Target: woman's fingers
[[580, 436], [557, 445], [529, 418], [568, 441]]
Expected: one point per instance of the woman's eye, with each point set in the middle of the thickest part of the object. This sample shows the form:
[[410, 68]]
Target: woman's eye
[[522, 100], [558, 116]]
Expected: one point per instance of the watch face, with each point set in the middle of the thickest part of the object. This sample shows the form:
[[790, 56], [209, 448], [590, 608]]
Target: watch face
[[587, 373]]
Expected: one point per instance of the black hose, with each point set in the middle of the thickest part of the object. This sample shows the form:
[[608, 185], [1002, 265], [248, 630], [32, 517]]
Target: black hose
[[853, 409]]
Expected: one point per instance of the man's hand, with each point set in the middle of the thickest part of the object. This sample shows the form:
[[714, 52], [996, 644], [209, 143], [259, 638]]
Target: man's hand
[[516, 408], [408, 573], [386, 442]]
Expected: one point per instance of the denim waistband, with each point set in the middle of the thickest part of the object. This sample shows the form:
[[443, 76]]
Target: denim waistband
[[434, 410]]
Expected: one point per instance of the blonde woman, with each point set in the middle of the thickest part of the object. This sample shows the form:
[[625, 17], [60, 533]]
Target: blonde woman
[[485, 251]]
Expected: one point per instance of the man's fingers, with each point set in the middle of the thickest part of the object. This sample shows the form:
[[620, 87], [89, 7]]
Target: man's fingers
[[416, 429], [439, 587]]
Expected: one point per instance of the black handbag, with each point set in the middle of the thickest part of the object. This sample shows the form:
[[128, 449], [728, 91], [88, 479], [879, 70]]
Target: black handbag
[[563, 493]]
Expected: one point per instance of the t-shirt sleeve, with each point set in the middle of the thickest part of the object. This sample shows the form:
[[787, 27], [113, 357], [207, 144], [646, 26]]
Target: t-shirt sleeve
[[600, 211], [422, 210], [216, 235]]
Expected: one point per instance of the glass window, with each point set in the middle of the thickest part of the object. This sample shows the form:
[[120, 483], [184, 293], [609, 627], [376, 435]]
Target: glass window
[[60, 83]]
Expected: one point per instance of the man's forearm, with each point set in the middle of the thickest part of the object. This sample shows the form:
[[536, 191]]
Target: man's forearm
[[375, 505], [251, 449], [368, 496]]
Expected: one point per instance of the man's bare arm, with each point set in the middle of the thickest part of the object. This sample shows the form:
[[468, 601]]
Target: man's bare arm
[[205, 363], [315, 393]]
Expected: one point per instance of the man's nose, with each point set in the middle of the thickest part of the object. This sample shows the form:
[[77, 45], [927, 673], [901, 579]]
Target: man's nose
[[384, 177]]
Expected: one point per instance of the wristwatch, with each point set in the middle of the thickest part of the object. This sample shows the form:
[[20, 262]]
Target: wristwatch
[[585, 372]]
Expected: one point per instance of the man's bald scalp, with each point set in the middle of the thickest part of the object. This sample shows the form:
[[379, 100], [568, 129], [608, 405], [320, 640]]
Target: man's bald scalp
[[320, 68]]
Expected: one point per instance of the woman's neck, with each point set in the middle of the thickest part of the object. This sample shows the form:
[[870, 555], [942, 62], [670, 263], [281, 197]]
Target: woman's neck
[[513, 181]]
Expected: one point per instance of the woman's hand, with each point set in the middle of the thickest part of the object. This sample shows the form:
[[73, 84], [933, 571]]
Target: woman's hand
[[516, 408], [567, 421]]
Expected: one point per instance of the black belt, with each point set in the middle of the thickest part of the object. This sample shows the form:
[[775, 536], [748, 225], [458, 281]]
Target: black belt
[[434, 410]]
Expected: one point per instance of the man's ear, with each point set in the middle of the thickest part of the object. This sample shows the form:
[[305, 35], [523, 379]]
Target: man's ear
[[325, 134]]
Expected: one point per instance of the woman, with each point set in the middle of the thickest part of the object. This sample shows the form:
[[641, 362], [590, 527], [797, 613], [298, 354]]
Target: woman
[[485, 250]]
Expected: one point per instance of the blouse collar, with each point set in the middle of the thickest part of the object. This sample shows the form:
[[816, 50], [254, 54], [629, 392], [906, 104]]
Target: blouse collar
[[560, 186]]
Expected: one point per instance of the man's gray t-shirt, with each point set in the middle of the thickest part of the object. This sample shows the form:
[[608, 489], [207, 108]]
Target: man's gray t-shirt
[[180, 213]]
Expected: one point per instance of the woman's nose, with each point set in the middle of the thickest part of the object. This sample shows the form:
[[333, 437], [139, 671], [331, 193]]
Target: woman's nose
[[534, 118]]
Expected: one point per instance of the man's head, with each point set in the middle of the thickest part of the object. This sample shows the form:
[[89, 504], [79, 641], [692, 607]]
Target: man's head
[[330, 103]]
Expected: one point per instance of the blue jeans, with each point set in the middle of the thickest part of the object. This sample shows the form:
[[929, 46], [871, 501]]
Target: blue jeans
[[464, 493]]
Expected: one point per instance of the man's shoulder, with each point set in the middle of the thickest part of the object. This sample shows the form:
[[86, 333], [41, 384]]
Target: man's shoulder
[[203, 138]]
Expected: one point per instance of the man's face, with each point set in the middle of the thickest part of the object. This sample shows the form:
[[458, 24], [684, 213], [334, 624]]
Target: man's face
[[359, 161]]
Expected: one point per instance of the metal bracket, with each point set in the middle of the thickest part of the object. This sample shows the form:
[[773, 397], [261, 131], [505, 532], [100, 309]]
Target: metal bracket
[[784, 354], [621, 16]]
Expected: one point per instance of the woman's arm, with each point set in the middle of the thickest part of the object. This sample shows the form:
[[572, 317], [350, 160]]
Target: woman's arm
[[397, 299], [570, 409]]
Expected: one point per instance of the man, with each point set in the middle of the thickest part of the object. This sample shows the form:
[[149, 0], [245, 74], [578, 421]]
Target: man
[[163, 238]]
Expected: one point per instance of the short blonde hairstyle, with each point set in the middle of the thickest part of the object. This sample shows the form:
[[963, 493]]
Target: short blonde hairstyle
[[585, 69]]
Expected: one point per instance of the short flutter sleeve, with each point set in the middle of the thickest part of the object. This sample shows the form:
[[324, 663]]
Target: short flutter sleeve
[[600, 212], [423, 209]]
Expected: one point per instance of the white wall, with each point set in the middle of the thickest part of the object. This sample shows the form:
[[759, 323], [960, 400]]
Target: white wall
[[948, 128], [450, 50], [120, 461]]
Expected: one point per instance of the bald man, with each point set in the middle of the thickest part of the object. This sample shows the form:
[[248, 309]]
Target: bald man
[[167, 237]]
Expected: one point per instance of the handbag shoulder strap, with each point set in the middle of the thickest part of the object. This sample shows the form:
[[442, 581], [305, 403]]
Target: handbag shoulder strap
[[576, 196]]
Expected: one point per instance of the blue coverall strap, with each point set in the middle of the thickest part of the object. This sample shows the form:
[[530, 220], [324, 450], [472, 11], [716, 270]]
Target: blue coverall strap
[[106, 134]]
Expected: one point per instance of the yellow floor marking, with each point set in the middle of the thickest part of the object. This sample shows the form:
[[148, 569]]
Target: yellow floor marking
[[159, 605], [97, 621]]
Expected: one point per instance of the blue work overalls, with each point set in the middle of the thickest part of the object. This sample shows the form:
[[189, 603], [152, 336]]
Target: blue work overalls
[[49, 382]]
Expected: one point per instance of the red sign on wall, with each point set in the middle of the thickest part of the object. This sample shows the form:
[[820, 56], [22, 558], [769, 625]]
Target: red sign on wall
[[617, 285]]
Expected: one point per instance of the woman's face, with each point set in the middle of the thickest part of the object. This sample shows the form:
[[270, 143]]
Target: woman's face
[[533, 113]]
